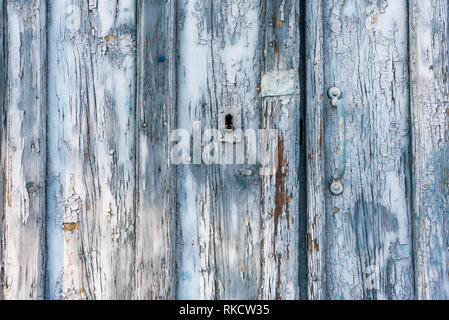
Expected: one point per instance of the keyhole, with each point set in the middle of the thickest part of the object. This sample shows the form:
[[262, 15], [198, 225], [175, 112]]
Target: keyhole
[[229, 122]]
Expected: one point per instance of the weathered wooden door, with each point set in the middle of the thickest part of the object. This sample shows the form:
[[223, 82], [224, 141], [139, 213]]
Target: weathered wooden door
[[186, 149], [385, 236]]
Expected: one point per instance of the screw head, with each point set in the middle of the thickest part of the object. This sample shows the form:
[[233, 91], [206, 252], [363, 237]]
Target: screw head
[[336, 188], [334, 92]]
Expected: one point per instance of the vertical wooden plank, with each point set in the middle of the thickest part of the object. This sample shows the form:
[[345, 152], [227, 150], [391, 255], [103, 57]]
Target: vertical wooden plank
[[3, 141], [369, 228], [23, 232], [156, 111], [316, 183], [91, 138], [429, 36], [280, 191], [219, 205]]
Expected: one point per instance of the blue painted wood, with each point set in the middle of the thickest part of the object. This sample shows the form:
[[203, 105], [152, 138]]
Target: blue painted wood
[[219, 213], [368, 234], [24, 150], [429, 41], [314, 134], [155, 273], [91, 210], [120, 221], [3, 91], [283, 246]]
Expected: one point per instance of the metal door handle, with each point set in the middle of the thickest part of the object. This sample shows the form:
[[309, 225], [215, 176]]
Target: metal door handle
[[336, 185]]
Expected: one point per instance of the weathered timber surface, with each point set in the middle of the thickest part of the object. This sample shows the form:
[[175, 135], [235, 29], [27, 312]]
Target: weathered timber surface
[[316, 183], [92, 208], [91, 203], [369, 252], [429, 40], [219, 206], [3, 141], [280, 190], [23, 230], [156, 117]]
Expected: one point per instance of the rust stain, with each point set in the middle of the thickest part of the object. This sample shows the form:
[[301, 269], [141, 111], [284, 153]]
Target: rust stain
[[276, 47], [71, 226], [281, 21], [278, 283], [316, 245], [110, 37], [312, 245], [282, 197], [336, 210], [309, 242]]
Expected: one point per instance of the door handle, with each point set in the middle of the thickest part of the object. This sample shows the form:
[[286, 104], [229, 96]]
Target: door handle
[[336, 185]]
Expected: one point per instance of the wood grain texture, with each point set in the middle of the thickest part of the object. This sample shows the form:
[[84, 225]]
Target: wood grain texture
[[280, 191], [92, 208], [316, 182], [156, 117], [23, 231], [91, 203], [3, 141], [368, 229], [219, 205], [429, 37]]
